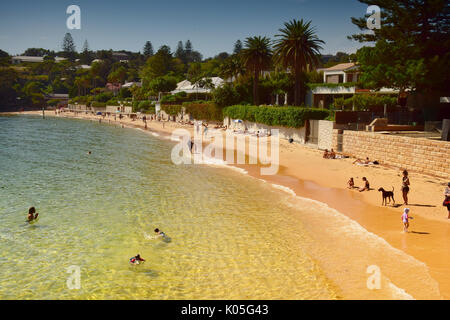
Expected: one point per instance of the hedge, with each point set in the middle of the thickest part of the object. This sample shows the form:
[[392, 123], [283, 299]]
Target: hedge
[[204, 111], [291, 117], [96, 104], [171, 110], [143, 106]]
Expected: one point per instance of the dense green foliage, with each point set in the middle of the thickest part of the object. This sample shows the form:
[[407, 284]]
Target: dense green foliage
[[204, 111], [171, 110], [292, 117], [363, 102], [412, 47]]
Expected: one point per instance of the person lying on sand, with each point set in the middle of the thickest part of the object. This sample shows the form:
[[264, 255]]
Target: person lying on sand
[[366, 185], [31, 214], [351, 183], [362, 162], [136, 260]]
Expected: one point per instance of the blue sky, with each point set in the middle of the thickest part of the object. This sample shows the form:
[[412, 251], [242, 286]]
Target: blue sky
[[212, 26]]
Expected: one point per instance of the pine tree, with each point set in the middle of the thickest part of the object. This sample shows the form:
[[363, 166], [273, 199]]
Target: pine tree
[[237, 47], [180, 53], [148, 49], [69, 47]]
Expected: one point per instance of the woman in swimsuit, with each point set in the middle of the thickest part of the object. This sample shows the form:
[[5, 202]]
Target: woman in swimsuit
[[405, 186]]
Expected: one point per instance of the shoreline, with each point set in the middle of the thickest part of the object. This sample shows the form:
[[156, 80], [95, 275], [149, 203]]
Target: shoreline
[[308, 175]]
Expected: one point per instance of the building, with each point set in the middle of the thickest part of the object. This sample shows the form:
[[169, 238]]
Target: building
[[338, 81], [29, 59], [188, 87]]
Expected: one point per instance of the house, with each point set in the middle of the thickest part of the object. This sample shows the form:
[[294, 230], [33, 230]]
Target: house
[[132, 84], [29, 59], [188, 87], [338, 81]]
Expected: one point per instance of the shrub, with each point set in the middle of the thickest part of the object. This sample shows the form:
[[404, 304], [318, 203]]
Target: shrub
[[96, 104], [292, 117], [143, 106], [204, 111], [171, 110], [104, 97]]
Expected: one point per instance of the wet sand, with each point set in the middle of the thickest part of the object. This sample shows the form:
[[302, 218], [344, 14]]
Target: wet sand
[[306, 173]]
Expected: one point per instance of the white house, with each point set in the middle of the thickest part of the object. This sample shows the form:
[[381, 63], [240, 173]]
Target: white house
[[188, 87], [22, 59]]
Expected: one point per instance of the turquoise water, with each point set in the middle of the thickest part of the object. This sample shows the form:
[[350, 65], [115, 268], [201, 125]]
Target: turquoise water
[[98, 210]]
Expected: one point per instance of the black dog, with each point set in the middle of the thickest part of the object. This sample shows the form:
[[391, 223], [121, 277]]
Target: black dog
[[387, 195]]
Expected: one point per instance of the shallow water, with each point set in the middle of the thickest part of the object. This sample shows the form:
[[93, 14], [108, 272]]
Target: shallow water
[[232, 238]]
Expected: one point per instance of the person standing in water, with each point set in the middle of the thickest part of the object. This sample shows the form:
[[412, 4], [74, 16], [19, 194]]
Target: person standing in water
[[32, 215], [405, 187], [405, 219]]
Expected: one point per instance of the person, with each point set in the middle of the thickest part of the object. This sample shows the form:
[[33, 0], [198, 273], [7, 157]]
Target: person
[[447, 199], [366, 185], [405, 187], [159, 233], [405, 219], [136, 260], [361, 162], [205, 131], [326, 154], [31, 214], [351, 183], [89, 153], [332, 154]]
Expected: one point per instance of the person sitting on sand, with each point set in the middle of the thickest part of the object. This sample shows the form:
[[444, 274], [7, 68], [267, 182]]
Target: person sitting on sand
[[136, 260], [366, 185], [332, 154], [351, 183], [405, 219], [31, 214], [326, 154], [159, 233]]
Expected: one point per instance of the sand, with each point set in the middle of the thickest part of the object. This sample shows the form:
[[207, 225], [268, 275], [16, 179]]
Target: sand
[[303, 170]]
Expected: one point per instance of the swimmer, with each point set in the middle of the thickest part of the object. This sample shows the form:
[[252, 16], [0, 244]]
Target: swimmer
[[89, 152], [159, 233], [31, 214], [135, 260]]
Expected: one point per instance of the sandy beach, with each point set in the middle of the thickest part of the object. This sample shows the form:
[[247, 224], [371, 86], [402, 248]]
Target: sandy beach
[[304, 171]]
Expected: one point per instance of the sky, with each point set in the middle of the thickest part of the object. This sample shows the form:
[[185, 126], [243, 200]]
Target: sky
[[212, 26]]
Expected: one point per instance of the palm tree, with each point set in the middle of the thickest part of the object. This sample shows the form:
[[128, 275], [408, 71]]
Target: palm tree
[[297, 48], [256, 56]]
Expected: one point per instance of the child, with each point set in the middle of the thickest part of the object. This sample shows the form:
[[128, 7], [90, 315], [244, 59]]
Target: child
[[135, 260], [31, 214], [405, 219], [351, 183]]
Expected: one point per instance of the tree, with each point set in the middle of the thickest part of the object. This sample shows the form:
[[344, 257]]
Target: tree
[[162, 84], [86, 54], [412, 47], [237, 47], [180, 53], [296, 48], [148, 49], [159, 65], [257, 57], [68, 47]]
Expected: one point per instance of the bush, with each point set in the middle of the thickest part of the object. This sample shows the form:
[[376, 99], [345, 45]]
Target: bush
[[226, 96], [143, 106], [104, 97], [292, 117], [204, 111], [96, 104], [171, 110]]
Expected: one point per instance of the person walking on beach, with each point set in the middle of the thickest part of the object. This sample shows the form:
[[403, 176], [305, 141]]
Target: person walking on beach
[[31, 214], [405, 219], [405, 187], [447, 199]]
